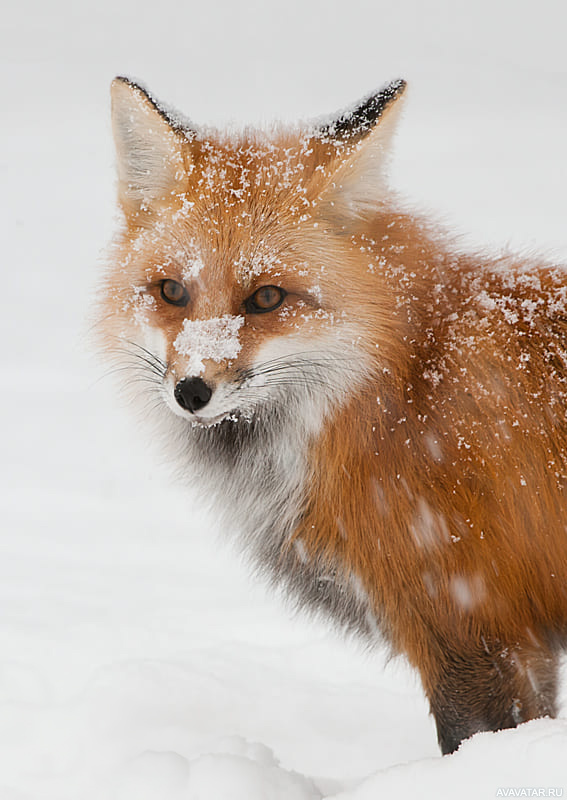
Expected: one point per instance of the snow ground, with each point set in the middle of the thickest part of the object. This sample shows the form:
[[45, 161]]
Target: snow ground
[[137, 659]]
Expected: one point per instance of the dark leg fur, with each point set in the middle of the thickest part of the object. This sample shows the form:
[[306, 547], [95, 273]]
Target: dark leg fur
[[489, 689]]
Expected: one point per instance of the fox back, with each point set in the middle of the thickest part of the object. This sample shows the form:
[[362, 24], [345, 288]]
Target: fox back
[[381, 416]]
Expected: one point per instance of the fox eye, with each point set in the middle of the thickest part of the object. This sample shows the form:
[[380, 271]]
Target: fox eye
[[266, 298], [174, 293]]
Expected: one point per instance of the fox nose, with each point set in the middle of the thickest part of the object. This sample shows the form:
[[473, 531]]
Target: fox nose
[[192, 394]]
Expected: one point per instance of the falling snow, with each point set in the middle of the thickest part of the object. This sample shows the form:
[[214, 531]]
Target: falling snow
[[138, 660]]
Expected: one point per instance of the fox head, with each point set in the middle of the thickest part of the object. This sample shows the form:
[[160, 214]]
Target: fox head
[[239, 283]]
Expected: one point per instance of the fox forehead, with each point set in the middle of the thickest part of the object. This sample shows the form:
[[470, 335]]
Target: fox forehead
[[216, 229], [241, 200], [254, 165], [249, 181], [208, 251]]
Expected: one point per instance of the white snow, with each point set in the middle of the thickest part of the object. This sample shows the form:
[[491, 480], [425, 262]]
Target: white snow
[[215, 339], [138, 659]]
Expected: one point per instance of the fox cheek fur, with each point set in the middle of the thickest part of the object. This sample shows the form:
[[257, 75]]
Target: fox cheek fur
[[381, 415]]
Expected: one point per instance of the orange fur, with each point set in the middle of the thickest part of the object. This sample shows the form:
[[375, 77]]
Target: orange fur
[[435, 484]]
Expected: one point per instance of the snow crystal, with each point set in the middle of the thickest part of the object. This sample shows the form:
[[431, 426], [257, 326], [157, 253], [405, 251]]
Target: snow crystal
[[468, 592], [184, 211], [433, 446], [193, 268], [301, 551], [264, 259], [428, 527], [143, 304], [215, 339], [429, 583], [486, 301], [317, 293]]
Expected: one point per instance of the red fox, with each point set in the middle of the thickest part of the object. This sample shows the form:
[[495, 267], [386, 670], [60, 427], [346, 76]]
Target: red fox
[[381, 415]]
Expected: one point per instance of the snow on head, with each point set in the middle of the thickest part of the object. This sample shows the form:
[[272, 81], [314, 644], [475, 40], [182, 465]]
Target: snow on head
[[215, 339], [143, 304]]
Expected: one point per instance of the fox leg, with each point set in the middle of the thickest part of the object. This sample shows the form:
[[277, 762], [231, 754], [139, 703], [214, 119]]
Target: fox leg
[[488, 687]]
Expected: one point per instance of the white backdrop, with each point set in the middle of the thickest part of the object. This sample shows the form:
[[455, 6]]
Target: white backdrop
[[137, 659]]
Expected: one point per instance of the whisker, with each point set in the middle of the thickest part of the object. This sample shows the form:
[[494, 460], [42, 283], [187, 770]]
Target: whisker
[[142, 379], [149, 353], [298, 362], [295, 381], [133, 366], [279, 370]]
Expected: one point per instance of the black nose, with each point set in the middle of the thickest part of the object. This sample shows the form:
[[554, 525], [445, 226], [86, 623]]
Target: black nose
[[192, 394]]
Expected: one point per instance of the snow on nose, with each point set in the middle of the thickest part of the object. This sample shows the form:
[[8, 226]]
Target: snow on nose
[[216, 339]]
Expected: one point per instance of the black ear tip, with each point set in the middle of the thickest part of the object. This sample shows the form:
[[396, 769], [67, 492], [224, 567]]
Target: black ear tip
[[382, 98], [356, 121], [397, 87]]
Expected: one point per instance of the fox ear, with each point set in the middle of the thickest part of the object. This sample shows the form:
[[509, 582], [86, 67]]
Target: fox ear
[[361, 137], [149, 147]]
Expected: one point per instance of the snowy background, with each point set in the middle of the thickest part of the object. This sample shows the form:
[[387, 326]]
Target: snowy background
[[137, 660]]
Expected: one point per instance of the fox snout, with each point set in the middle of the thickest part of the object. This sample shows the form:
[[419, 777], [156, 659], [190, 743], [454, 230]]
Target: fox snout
[[192, 394]]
